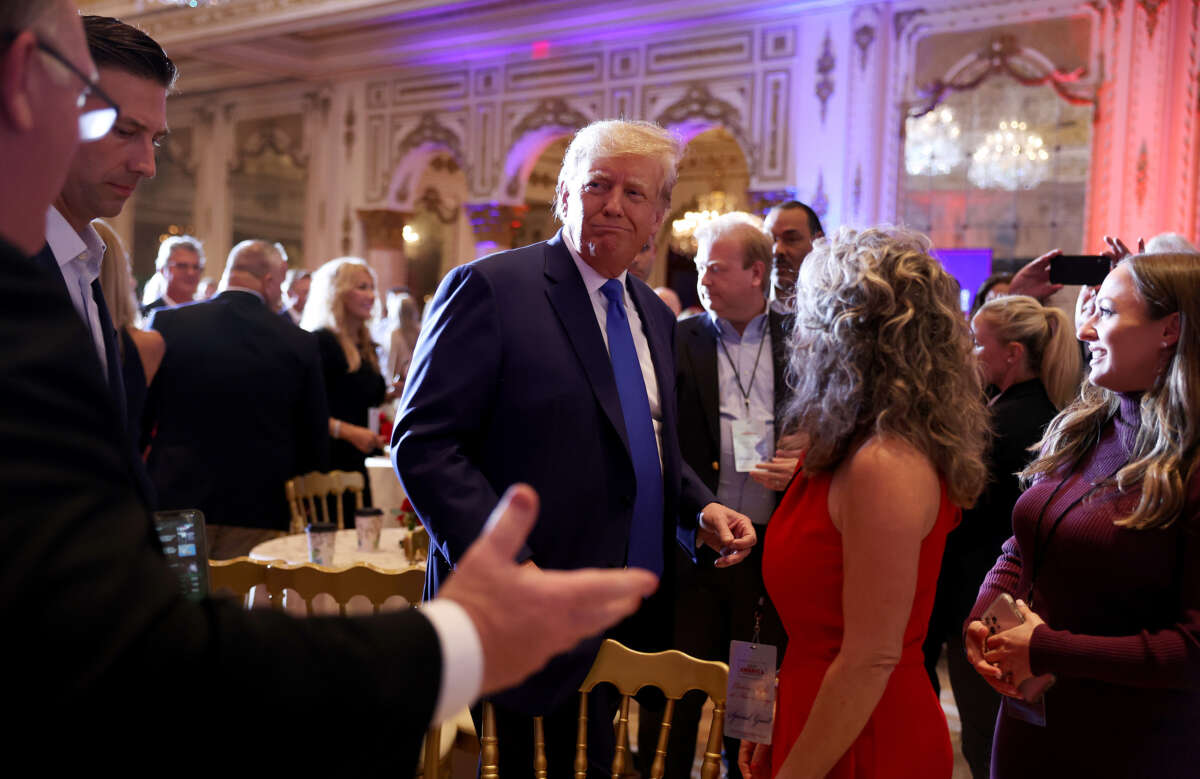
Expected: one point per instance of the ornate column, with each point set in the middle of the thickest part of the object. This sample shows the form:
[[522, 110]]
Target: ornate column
[[214, 155], [495, 225], [383, 237]]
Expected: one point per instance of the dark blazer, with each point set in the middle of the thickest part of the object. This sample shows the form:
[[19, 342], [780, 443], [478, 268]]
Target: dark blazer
[[95, 616], [699, 402], [130, 428], [240, 408], [511, 382], [159, 302]]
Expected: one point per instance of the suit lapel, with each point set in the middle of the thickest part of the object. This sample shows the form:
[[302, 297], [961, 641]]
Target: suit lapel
[[702, 352], [568, 296], [45, 260]]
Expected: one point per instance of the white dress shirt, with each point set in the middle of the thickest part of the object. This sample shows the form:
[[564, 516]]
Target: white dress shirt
[[79, 258], [736, 357], [594, 281], [462, 657]]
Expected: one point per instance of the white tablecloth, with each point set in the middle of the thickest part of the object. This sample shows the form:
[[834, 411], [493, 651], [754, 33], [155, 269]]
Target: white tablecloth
[[294, 549]]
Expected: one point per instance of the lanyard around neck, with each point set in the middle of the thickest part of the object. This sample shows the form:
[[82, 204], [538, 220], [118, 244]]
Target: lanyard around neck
[[744, 390]]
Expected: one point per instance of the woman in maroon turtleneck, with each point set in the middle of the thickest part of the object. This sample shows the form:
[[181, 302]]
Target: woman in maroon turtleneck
[[1106, 550]]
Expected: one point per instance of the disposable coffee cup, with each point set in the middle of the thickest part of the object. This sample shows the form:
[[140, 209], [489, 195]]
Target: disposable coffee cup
[[321, 537], [367, 523]]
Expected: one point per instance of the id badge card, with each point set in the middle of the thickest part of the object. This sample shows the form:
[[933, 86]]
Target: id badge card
[[749, 444], [750, 696], [1033, 713]]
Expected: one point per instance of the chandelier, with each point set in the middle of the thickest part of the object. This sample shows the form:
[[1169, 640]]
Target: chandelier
[[932, 144], [710, 206], [1010, 158]]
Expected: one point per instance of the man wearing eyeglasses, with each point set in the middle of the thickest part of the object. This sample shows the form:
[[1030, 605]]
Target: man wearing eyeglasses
[[123, 118], [109, 664]]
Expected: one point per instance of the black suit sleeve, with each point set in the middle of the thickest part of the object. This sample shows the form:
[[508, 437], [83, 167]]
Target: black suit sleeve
[[102, 644]]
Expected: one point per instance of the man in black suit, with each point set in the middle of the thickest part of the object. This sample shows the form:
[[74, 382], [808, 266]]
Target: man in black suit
[[134, 75], [732, 392], [112, 665], [550, 365], [239, 404]]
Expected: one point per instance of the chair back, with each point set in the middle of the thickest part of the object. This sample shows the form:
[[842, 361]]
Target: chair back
[[309, 497], [629, 671], [237, 576], [308, 580]]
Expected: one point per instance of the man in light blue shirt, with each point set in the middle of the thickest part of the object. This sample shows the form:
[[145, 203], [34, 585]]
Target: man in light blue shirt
[[730, 388]]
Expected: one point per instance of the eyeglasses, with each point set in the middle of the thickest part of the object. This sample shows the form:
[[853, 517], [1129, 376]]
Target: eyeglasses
[[93, 124]]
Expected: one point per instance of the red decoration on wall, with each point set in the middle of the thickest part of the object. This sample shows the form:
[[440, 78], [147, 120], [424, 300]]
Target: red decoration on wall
[[1000, 56]]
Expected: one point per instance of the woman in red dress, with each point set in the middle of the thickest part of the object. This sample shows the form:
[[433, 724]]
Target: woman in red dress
[[888, 395]]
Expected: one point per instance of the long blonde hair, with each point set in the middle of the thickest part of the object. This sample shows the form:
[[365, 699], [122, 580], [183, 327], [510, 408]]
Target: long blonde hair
[[1048, 337], [880, 347], [326, 308], [1164, 457], [116, 278]]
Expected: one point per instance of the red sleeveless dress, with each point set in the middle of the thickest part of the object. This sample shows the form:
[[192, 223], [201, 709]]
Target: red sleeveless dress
[[906, 735]]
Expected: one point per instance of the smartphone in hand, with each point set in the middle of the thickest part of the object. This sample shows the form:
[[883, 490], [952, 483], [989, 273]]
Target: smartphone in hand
[[1002, 615], [1085, 269]]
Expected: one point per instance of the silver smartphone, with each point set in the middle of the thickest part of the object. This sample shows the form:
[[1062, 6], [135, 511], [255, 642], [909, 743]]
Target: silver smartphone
[[1002, 615]]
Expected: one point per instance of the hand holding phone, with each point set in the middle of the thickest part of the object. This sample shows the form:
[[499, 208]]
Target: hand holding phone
[[1003, 615]]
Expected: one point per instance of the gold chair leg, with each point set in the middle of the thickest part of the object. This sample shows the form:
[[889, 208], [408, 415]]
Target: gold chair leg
[[581, 763], [489, 748]]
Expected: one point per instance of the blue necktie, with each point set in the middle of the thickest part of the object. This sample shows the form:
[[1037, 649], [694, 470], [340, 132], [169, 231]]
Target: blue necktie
[[646, 532]]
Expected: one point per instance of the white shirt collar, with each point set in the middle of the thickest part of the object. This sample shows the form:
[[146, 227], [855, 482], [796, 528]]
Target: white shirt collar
[[592, 279], [67, 245], [757, 325]]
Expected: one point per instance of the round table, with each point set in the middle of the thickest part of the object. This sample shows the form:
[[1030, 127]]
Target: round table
[[294, 549]]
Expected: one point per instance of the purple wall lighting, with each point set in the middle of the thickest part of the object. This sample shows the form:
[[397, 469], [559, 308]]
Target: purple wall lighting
[[970, 267]]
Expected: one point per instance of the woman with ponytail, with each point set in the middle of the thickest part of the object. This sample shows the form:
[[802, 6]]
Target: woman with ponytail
[[1105, 556], [1028, 355]]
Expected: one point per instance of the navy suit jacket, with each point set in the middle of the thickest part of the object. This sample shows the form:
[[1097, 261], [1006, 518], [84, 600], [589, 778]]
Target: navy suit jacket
[[699, 400], [240, 408], [511, 382]]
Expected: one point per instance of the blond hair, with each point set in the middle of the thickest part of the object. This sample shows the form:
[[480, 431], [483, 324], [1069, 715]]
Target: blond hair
[[116, 280], [746, 229], [1164, 459], [326, 308], [1051, 350], [879, 347], [620, 138]]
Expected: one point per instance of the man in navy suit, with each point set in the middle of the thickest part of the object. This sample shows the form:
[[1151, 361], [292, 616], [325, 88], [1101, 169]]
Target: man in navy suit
[[550, 365], [239, 403], [110, 650]]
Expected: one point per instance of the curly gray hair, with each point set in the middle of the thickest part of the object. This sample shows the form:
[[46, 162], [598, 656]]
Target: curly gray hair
[[879, 347]]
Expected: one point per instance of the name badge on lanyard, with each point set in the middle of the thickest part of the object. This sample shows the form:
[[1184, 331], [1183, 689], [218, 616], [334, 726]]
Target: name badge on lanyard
[[750, 696]]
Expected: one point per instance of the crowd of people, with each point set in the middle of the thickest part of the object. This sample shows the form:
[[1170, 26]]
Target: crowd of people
[[830, 459]]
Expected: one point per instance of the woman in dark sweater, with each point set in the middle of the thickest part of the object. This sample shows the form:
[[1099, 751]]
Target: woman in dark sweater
[[340, 303], [1105, 550], [1028, 353]]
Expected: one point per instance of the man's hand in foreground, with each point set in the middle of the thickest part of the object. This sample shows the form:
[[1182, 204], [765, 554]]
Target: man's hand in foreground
[[729, 533], [525, 615]]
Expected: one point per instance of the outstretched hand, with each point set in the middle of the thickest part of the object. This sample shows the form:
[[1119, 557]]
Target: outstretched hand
[[525, 615]]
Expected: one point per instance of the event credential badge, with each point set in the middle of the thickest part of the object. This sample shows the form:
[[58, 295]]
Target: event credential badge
[[750, 698]]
